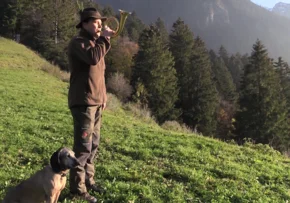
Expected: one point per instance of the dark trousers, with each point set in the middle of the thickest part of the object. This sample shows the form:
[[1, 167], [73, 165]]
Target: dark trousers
[[87, 124]]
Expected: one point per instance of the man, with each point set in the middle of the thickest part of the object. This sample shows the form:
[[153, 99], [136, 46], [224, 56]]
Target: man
[[87, 97]]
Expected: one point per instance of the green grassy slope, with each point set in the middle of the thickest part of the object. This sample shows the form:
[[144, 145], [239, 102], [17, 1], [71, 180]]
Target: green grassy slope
[[138, 161]]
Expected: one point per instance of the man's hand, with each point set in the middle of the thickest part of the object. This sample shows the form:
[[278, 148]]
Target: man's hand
[[107, 32]]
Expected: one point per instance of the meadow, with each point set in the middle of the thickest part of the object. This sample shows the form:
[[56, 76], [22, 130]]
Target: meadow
[[138, 161]]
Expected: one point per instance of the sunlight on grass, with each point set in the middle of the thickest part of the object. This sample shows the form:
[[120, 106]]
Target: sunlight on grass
[[138, 161]]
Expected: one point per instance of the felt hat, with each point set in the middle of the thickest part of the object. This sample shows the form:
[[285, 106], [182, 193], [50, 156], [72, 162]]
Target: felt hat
[[89, 13]]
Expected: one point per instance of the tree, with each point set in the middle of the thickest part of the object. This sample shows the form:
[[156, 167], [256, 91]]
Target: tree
[[154, 71], [283, 71], [245, 59], [229, 86], [163, 31], [236, 69], [223, 53], [134, 26], [202, 97], [263, 113], [227, 93], [3, 7], [181, 45], [212, 55], [12, 16], [120, 57], [223, 80], [108, 11], [57, 28]]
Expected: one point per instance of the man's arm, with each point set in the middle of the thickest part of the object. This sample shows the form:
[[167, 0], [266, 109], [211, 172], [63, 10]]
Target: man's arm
[[88, 51]]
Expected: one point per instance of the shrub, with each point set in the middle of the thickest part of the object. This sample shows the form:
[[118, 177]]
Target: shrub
[[175, 126], [287, 153], [113, 103], [118, 85], [140, 112]]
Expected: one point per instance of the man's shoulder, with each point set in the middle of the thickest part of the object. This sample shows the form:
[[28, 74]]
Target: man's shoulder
[[76, 41], [77, 38]]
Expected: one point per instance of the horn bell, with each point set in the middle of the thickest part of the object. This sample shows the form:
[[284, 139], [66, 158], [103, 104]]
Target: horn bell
[[121, 24]]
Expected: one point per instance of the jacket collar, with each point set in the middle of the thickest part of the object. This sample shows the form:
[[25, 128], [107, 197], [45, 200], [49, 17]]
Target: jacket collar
[[86, 34]]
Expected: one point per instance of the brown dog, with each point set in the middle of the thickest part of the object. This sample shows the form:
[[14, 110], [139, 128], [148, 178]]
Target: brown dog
[[46, 184]]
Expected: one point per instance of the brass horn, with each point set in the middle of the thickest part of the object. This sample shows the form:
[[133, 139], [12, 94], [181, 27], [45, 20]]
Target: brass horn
[[113, 22]]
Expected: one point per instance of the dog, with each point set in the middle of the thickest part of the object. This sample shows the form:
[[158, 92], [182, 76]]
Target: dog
[[46, 184]]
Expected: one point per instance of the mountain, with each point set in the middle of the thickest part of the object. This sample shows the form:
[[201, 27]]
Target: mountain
[[282, 9], [269, 9], [235, 24]]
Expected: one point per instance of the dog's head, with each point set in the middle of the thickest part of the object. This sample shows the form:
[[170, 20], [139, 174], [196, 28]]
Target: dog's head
[[63, 159]]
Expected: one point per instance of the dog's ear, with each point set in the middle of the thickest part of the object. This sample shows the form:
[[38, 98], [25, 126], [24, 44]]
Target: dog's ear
[[54, 161]]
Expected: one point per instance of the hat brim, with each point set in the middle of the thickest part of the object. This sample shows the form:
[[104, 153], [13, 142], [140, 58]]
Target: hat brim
[[103, 19]]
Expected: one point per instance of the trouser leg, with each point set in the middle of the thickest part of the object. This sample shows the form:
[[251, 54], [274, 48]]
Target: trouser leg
[[84, 119], [90, 169]]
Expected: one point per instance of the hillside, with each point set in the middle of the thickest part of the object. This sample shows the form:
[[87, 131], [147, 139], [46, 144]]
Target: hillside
[[139, 161], [235, 24]]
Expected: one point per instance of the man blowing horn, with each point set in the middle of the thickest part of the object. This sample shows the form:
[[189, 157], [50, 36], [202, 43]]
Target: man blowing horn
[[87, 97]]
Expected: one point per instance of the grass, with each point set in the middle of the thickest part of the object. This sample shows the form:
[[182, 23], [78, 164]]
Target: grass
[[138, 161]]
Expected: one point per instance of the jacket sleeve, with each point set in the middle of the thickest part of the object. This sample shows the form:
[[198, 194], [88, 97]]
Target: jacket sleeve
[[105, 96], [88, 51]]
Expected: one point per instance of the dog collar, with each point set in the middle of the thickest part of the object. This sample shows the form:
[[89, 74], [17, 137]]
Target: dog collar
[[61, 173]]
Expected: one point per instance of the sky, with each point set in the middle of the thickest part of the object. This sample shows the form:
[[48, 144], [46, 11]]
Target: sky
[[269, 3]]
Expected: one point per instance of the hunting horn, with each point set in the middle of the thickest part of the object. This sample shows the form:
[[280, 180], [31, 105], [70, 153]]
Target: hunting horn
[[121, 24]]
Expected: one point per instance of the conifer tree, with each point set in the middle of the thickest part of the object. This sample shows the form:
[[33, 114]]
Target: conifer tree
[[263, 113], [201, 104], [245, 59], [3, 8], [155, 76], [223, 53], [227, 93], [212, 55], [163, 31], [59, 18], [283, 70], [108, 11], [13, 16], [236, 69], [134, 26], [224, 81], [181, 45]]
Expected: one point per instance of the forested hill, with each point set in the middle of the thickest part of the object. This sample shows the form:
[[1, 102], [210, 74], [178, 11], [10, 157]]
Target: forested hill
[[236, 24]]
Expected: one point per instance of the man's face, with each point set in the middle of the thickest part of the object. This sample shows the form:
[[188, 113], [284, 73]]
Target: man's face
[[94, 27]]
